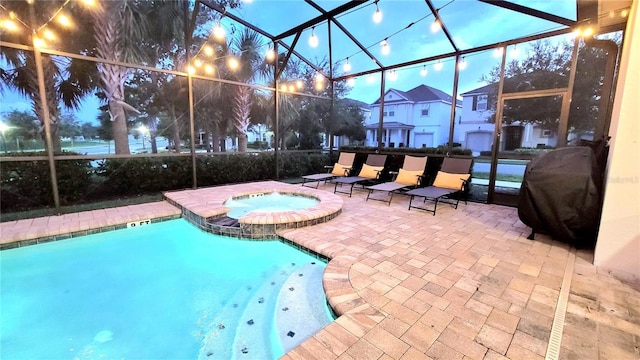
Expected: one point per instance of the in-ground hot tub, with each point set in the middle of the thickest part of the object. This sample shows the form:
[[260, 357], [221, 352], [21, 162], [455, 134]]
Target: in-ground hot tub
[[207, 208], [268, 203]]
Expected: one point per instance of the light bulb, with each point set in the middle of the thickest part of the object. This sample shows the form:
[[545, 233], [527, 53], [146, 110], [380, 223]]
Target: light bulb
[[319, 86], [292, 88], [39, 43], [498, 52], [271, 54], [438, 66], [351, 82], [313, 39], [624, 13], [208, 69], [283, 87], [191, 69], [392, 75], [435, 26], [319, 77], [219, 31], [49, 35], [370, 79], [208, 50], [424, 71], [197, 63], [299, 84], [10, 25], [63, 20], [233, 63], [587, 32], [377, 15], [386, 49], [515, 52], [347, 66], [462, 64]]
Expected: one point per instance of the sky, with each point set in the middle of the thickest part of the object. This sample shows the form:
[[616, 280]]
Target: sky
[[469, 22]]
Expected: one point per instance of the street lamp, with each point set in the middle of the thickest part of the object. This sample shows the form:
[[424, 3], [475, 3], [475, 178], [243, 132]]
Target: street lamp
[[3, 129], [143, 131]]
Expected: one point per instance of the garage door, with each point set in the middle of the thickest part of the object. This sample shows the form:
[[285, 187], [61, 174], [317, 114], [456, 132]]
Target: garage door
[[423, 140], [479, 141]]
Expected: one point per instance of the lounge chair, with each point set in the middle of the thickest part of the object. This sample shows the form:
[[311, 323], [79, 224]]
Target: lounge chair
[[368, 175], [341, 168], [449, 183], [410, 175]]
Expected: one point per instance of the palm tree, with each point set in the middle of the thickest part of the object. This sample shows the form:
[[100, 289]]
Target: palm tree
[[246, 48], [66, 81], [119, 27]]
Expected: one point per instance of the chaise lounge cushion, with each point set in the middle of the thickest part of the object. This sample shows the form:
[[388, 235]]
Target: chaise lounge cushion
[[409, 177], [339, 170], [370, 172], [450, 181]]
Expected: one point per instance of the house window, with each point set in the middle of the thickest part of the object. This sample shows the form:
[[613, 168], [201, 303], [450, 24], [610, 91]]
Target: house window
[[384, 113], [481, 103], [392, 113], [424, 112], [545, 133]]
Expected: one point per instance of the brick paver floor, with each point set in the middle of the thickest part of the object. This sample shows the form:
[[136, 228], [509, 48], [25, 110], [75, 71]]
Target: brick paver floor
[[464, 284]]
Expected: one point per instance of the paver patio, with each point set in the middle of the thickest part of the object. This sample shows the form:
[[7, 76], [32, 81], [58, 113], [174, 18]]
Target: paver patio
[[464, 284]]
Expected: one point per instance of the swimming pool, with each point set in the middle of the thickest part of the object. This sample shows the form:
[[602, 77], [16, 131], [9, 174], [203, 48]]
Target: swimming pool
[[161, 291], [268, 202]]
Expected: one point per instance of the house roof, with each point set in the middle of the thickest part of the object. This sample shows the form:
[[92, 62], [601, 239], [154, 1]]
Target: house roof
[[355, 103], [421, 93], [390, 125], [540, 79]]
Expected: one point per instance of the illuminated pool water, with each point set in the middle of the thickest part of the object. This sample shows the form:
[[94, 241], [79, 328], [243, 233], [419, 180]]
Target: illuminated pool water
[[268, 202], [161, 291]]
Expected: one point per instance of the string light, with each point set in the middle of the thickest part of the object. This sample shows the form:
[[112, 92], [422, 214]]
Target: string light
[[292, 88], [89, 3], [351, 82], [385, 48], [498, 52], [515, 52], [283, 87], [39, 43], [299, 84], [377, 15], [435, 25], [438, 66], [462, 64], [197, 63], [347, 66], [191, 70], [10, 25], [233, 63], [370, 79], [392, 75], [219, 31], [208, 50], [424, 71], [209, 69], [64, 20], [49, 35], [271, 54], [624, 13], [313, 39]]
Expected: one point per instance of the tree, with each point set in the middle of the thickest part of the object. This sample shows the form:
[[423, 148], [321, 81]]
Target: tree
[[22, 124], [66, 81], [547, 66]]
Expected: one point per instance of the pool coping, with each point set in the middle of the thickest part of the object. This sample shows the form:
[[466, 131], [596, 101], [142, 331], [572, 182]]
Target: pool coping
[[208, 206]]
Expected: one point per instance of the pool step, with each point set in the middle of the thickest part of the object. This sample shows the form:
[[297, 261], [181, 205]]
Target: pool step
[[226, 221], [301, 308]]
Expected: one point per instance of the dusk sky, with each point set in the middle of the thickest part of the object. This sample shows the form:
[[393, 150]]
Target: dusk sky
[[470, 23]]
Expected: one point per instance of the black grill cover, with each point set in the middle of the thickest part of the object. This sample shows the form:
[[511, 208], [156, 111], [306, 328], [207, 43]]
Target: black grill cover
[[560, 195]]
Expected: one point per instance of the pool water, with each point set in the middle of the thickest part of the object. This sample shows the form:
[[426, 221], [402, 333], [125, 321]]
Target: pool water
[[162, 291], [270, 202]]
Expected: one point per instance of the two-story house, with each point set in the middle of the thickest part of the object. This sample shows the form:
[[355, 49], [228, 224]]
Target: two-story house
[[476, 126], [416, 118]]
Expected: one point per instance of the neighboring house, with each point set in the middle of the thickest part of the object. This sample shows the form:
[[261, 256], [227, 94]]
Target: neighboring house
[[416, 118], [475, 128]]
